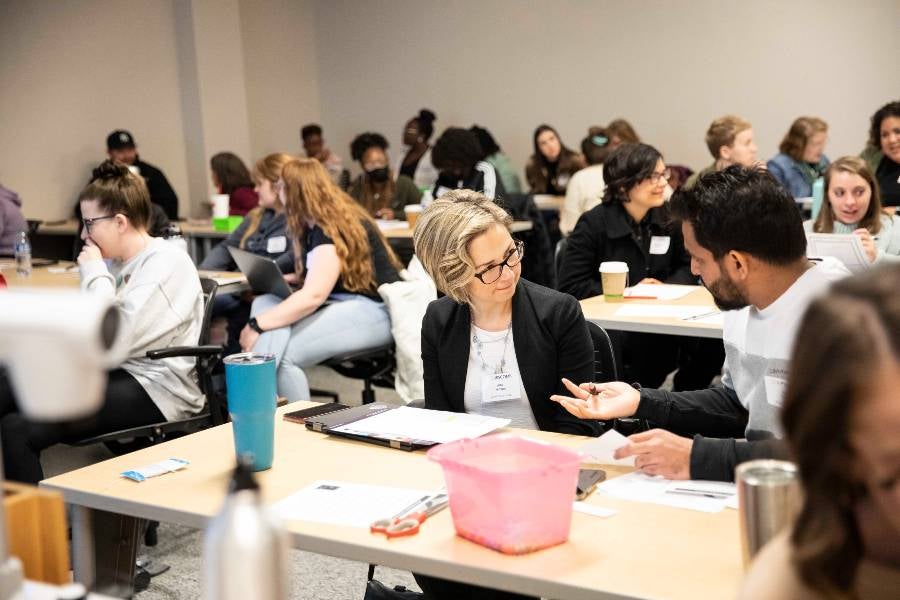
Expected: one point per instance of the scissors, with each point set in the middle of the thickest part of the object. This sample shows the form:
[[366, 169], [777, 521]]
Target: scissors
[[408, 522]]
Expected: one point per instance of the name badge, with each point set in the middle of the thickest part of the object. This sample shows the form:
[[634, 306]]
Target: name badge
[[659, 244], [276, 244], [499, 387]]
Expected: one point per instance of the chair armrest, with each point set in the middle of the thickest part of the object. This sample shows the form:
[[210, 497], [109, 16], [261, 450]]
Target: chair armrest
[[210, 350]]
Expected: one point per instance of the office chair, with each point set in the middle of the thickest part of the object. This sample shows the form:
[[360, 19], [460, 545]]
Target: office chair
[[374, 366], [558, 257]]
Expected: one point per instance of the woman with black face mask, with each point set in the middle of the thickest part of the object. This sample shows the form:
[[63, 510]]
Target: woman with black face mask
[[376, 189]]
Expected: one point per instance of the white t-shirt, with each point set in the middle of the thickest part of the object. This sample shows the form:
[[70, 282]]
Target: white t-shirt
[[759, 344], [493, 344], [158, 293], [585, 191]]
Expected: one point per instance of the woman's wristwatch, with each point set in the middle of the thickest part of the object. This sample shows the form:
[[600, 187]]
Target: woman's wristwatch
[[255, 326]]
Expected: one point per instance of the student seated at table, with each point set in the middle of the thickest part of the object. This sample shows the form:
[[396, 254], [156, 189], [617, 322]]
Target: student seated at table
[[492, 323], [341, 259], [314, 147], [882, 152], [841, 421], [415, 160], [633, 226], [376, 189], [262, 232], [621, 132], [552, 165], [493, 155], [585, 190], [12, 221], [457, 156], [730, 141], [158, 292], [121, 147], [746, 242], [230, 176], [853, 205], [801, 158]]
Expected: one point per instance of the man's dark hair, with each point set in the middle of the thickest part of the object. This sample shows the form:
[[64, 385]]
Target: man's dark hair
[[891, 109], [742, 209], [456, 145], [311, 129], [364, 141], [627, 166], [488, 143]]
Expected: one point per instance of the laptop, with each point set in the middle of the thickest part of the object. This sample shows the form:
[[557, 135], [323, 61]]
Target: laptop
[[262, 273]]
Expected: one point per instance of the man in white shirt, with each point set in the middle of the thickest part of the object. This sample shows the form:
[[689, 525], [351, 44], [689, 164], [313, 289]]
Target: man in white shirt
[[746, 242]]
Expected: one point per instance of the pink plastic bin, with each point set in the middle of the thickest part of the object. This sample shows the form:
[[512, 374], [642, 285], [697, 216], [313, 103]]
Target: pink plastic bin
[[508, 493]]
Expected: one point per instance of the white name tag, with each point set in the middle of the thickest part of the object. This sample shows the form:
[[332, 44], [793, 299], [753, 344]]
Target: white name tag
[[499, 387], [276, 244], [775, 389], [659, 244]]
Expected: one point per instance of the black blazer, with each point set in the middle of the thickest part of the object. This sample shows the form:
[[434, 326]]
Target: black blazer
[[606, 233], [551, 340]]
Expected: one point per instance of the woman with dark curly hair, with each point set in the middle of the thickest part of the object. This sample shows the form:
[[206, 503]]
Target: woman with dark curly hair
[[376, 190], [883, 152], [842, 422]]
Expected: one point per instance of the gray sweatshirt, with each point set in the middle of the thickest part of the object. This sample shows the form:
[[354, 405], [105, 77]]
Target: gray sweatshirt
[[158, 292], [11, 219]]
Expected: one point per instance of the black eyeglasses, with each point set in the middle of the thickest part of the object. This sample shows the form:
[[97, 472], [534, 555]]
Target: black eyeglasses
[[655, 177], [88, 223], [492, 274]]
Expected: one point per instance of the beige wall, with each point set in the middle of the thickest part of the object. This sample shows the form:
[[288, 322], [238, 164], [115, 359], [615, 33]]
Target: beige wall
[[71, 72], [670, 67], [193, 77]]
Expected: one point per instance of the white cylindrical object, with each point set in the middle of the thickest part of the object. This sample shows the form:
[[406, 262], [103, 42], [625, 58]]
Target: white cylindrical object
[[220, 205], [59, 345]]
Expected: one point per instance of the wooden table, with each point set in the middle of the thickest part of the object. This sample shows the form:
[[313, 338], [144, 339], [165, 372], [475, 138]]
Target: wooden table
[[603, 313], [643, 551]]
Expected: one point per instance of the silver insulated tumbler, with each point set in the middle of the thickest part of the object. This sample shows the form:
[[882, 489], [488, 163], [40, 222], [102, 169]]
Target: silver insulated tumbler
[[244, 552], [768, 497]]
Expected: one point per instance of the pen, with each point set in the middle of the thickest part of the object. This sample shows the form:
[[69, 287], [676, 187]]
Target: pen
[[709, 314], [714, 496]]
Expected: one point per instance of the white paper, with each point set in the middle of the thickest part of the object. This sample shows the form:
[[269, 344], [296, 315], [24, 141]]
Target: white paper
[[386, 225], [847, 248], [437, 426], [704, 496], [661, 291], [600, 450], [670, 311], [590, 509], [659, 244], [343, 503], [222, 278]]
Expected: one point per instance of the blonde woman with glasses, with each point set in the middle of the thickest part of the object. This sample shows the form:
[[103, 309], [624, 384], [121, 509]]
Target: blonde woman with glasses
[[496, 344]]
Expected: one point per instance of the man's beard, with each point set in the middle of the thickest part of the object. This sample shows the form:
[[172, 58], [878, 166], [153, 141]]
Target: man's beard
[[726, 294]]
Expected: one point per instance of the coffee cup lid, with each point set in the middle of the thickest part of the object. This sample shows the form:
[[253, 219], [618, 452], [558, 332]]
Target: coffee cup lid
[[413, 208], [613, 266]]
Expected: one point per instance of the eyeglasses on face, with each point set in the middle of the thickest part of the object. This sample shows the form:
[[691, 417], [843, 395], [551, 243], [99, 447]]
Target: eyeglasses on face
[[89, 223], [492, 274], [655, 177]]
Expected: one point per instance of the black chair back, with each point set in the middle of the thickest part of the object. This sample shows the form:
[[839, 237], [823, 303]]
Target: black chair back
[[210, 289], [537, 266], [559, 256], [604, 355]]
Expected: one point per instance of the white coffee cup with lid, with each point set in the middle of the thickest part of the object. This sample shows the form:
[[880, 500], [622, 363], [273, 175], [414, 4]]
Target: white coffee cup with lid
[[614, 279]]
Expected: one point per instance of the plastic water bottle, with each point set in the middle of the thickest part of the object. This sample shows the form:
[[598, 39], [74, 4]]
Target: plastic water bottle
[[244, 552], [23, 254]]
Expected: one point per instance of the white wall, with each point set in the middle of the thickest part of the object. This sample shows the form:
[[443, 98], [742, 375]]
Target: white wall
[[669, 67], [71, 72], [171, 72]]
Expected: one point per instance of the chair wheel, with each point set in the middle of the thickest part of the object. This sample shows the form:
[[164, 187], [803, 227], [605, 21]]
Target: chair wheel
[[141, 580]]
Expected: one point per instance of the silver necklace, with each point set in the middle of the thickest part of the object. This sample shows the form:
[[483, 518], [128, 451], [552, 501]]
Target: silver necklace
[[479, 345]]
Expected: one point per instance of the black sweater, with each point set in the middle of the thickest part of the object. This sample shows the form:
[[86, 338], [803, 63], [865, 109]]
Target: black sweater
[[551, 340], [608, 233]]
